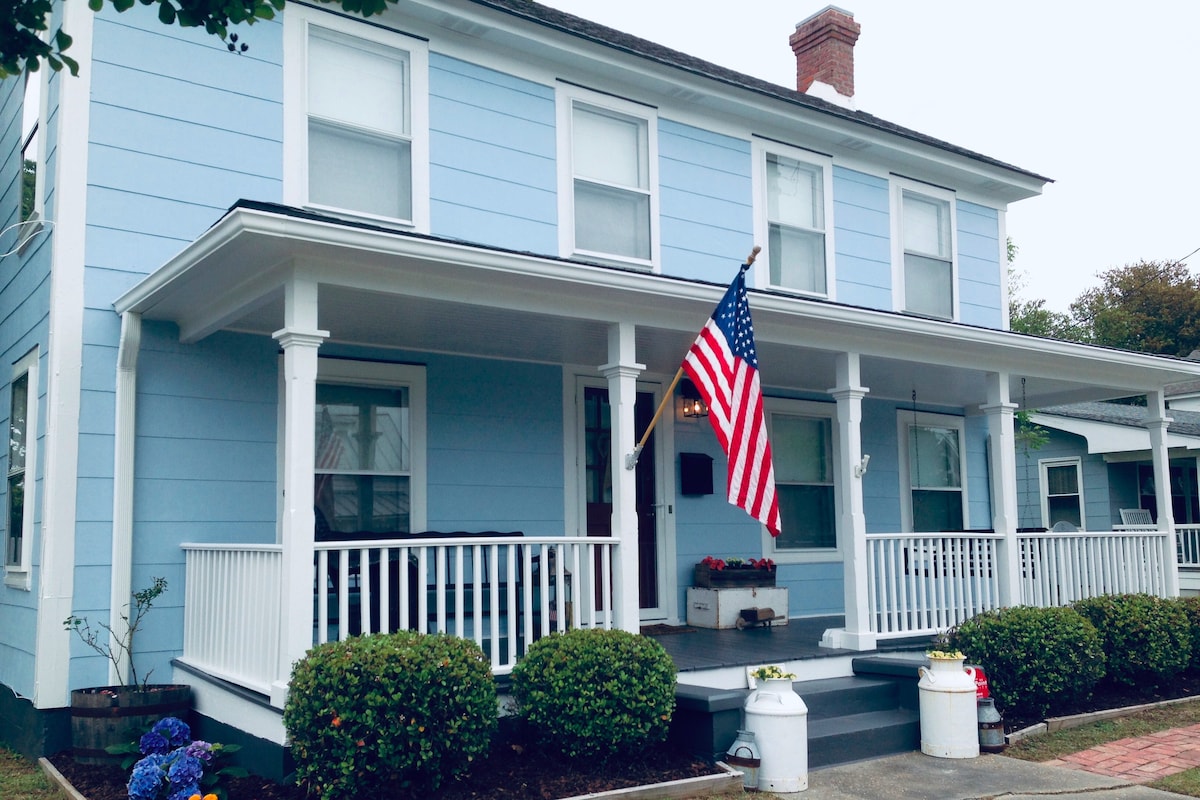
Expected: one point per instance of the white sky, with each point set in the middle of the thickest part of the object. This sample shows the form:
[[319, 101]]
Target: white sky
[[1101, 97]]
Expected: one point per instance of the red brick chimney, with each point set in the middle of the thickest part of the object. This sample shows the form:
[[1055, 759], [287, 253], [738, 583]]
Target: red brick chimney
[[824, 48]]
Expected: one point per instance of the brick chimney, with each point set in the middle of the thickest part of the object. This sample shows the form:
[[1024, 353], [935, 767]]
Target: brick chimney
[[824, 48]]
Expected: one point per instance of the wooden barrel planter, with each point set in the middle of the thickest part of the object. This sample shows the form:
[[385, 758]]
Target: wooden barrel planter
[[115, 715]]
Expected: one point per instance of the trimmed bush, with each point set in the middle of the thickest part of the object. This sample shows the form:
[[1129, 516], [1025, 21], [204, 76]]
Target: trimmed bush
[[1146, 639], [376, 714], [1191, 607], [1033, 657], [595, 693]]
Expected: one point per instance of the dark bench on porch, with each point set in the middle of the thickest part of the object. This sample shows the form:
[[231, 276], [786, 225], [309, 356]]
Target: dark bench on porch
[[414, 579]]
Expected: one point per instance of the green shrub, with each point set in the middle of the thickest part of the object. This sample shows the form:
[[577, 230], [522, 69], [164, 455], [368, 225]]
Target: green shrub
[[388, 712], [1033, 657], [596, 693], [1191, 607], [1146, 639]]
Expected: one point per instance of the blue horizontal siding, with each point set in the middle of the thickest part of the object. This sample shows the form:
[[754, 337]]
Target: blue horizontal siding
[[862, 239], [493, 175], [705, 202], [979, 268]]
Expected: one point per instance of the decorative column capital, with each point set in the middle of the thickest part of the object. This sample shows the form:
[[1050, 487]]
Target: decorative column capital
[[290, 337], [611, 371], [999, 408]]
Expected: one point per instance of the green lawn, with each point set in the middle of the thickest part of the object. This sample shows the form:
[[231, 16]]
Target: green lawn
[[20, 777]]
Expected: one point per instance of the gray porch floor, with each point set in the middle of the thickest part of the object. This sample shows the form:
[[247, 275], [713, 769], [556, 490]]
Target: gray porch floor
[[705, 648]]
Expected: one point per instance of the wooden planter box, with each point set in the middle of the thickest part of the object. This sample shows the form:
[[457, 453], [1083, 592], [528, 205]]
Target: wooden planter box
[[731, 577]]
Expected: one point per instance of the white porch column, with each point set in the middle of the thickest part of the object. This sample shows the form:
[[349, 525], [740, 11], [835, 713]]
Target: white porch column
[[300, 341], [852, 522], [1003, 467], [1157, 422], [622, 372]]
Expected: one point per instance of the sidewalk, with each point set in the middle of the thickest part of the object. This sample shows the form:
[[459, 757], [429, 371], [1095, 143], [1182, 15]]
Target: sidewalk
[[1142, 759]]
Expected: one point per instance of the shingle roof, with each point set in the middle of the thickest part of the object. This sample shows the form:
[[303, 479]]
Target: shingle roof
[[1186, 423], [610, 37]]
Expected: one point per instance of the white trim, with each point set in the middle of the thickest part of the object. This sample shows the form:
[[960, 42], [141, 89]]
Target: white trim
[[124, 452], [759, 149], [905, 419], [1044, 485], [64, 367], [296, 24], [806, 408], [18, 576], [566, 96], [899, 187], [411, 376]]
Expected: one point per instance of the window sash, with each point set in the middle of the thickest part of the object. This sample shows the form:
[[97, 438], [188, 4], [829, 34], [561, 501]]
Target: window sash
[[1061, 494], [935, 479], [928, 286], [612, 220], [31, 109], [802, 452], [609, 148], [18, 433], [797, 258], [610, 174]]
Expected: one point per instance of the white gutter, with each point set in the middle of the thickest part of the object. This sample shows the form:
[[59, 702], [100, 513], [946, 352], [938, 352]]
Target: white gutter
[[124, 431]]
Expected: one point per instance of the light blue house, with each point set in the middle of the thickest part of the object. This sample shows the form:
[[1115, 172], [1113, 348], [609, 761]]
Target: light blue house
[[270, 316]]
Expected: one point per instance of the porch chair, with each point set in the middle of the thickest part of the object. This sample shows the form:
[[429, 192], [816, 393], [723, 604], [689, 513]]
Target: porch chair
[[1136, 516]]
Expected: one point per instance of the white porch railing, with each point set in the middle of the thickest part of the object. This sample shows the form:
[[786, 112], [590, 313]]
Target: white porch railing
[[1187, 546], [924, 583], [1058, 568], [503, 593], [494, 591], [231, 612]]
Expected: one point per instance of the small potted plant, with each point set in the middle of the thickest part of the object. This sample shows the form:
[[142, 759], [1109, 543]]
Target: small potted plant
[[106, 716], [718, 573]]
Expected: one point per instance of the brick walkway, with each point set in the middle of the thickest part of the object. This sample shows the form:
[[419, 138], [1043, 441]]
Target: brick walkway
[[1142, 759]]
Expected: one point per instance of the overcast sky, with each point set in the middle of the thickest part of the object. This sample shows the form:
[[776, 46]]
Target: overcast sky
[[1100, 97]]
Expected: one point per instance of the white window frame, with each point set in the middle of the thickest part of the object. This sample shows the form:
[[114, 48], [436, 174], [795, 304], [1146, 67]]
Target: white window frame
[[806, 408], [17, 575], [296, 28], [392, 376], [760, 150], [905, 420], [1044, 465], [566, 99], [33, 134], [900, 187]]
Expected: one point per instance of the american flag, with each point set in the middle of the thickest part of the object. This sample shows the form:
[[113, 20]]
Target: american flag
[[723, 364]]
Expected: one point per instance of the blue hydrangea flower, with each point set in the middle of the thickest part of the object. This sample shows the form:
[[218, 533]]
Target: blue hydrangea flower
[[147, 776], [175, 730], [153, 742], [185, 769], [185, 792]]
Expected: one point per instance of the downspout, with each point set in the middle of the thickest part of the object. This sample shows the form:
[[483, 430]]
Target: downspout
[[124, 434]]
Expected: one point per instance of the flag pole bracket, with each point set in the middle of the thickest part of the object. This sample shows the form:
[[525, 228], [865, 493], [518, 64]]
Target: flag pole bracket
[[631, 459]]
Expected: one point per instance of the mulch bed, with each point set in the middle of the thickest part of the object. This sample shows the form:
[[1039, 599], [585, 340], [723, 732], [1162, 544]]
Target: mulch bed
[[1110, 695], [515, 770]]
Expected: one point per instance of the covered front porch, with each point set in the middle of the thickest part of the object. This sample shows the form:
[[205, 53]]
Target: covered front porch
[[508, 350]]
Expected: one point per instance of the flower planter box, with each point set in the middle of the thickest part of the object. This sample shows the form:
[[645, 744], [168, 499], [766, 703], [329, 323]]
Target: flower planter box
[[731, 577]]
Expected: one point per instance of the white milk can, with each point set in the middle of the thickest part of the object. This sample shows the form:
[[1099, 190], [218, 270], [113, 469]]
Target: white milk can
[[949, 724], [779, 720]]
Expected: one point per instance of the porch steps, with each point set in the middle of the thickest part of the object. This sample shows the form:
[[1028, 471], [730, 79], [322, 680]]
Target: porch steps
[[870, 714]]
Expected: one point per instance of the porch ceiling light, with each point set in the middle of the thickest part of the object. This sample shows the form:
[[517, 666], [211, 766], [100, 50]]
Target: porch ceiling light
[[690, 402]]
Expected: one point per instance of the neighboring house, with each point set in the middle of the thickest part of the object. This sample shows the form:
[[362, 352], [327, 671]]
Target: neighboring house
[[273, 315]]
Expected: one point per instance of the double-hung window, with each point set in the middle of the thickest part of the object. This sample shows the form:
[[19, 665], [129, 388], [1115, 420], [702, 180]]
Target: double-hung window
[[933, 467], [802, 452], [31, 153], [356, 110], [1062, 496], [22, 433], [369, 462], [795, 202], [926, 251], [607, 179]]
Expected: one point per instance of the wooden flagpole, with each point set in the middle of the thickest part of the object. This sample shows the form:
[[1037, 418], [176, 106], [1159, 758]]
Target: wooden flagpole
[[631, 459]]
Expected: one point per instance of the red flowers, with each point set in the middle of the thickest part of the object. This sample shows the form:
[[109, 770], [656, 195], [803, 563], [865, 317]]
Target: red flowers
[[738, 563]]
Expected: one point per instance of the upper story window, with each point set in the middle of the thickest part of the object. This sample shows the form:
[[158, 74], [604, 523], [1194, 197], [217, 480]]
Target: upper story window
[[802, 451], [355, 109], [22, 443], [31, 154], [794, 205], [934, 496], [608, 175], [369, 475], [925, 261]]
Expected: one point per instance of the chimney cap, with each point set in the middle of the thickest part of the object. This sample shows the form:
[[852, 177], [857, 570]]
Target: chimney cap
[[838, 9]]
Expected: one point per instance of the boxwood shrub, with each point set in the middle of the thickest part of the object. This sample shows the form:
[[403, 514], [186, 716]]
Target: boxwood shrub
[[1146, 639], [595, 693], [1033, 657], [1191, 607], [375, 715]]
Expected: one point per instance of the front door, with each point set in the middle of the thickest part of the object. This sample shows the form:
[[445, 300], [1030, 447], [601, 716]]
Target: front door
[[597, 442]]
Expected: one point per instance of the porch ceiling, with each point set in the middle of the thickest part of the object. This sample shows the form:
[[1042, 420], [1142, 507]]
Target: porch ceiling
[[385, 289]]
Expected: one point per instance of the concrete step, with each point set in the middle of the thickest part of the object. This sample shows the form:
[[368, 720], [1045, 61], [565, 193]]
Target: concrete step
[[837, 697], [855, 737]]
